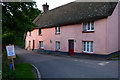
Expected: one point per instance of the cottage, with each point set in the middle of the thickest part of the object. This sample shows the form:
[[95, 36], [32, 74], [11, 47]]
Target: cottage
[[81, 27]]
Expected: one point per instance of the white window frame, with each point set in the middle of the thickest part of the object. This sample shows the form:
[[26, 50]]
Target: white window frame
[[57, 45], [41, 44], [85, 28], [57, 30], [88, 43], [29, 43], [40, 31]]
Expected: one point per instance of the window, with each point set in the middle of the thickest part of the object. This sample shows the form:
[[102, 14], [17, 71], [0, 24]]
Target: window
[[26, 42], [57, 30], [29, 33], [88, 46], [41, 44], [40, 31], [88, 26], [29, 43], [57, 45]]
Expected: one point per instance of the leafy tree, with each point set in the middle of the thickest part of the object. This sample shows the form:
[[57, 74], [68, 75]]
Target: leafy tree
[[17, 18]]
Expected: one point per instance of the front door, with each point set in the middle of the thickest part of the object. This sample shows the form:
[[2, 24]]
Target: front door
[[71, 47], [33, 44]]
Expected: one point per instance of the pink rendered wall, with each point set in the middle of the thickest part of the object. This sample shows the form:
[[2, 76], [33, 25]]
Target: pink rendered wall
[[119, 26], [72, 32], [99, 37], [31, 38], [112, 31]]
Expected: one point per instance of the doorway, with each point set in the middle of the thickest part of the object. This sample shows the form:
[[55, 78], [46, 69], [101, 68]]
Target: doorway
[[71, 47], [33, 45]]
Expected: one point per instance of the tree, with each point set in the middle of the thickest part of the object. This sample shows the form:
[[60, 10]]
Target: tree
[[17, 19]]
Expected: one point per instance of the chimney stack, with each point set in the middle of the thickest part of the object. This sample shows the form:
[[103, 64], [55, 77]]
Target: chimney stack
[[45, 7]]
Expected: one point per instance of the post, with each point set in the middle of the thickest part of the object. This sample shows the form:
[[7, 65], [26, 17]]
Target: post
[[13, 64]]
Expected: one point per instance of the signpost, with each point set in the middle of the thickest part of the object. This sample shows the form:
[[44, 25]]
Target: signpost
[[11, 53]]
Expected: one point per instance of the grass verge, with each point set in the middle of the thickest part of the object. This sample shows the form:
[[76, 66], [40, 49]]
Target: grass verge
[[23, 71]]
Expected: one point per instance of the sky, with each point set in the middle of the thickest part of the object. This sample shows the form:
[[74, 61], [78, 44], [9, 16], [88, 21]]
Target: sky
[[52, 3]]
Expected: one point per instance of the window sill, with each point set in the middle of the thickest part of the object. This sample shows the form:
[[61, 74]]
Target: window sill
[[88, 53], [57, 33], [88, 31], [41, 48]]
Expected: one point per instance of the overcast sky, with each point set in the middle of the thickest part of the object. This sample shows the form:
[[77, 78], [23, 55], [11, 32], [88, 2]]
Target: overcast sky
[[52, 3]]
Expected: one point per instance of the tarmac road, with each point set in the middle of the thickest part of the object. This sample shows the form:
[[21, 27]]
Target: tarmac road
[[68, 67]]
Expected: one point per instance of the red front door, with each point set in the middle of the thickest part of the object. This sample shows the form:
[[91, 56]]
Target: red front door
[[71, 47]]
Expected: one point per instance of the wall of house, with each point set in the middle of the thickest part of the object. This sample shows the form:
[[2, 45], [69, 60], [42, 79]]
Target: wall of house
[[98, 37], [71, 32], [112, 32], [119, 26], [31, 38]]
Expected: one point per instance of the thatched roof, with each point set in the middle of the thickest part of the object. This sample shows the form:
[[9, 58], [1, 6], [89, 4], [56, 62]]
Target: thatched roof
[[75, 12]]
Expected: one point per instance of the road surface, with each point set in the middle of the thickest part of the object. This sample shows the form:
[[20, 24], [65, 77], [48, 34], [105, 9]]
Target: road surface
[[69, 67]]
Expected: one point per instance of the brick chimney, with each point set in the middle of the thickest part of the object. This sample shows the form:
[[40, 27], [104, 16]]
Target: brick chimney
[[45, 7]]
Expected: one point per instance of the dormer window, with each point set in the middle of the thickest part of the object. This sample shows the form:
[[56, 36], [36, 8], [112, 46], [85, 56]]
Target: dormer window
[[88, 26], [40, 31], [57, 30]]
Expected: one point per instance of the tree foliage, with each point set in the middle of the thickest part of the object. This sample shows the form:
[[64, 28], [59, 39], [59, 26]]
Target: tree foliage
[[17, 18]]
